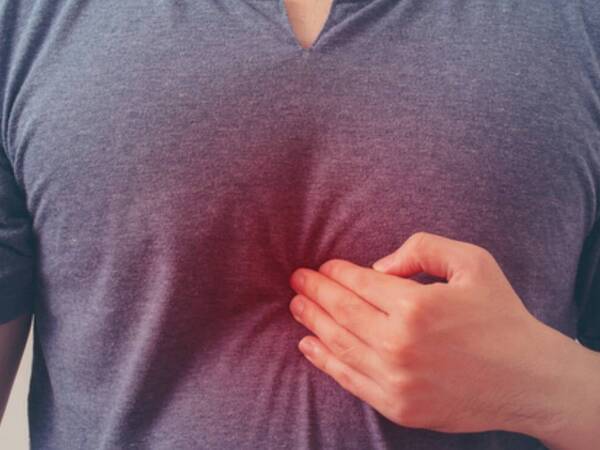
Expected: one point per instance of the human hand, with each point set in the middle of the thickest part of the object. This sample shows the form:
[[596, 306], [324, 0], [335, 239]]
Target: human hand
[[461, 356]]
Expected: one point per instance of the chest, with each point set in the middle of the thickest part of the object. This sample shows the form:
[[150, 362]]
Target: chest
[[212, 150], [307, 18]]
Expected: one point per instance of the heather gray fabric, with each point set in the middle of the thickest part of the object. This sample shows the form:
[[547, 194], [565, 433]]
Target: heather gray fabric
[[167, 165]]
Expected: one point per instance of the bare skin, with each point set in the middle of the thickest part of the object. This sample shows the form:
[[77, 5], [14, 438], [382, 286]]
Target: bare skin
[[13, 336], [307, 18]]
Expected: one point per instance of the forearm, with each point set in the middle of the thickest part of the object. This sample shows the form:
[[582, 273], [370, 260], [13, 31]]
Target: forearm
[[13, 336], [568, 394]]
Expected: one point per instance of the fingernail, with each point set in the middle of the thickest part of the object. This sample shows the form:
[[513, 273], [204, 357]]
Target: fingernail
[[306, 346], [299, 279], [383, 264], [297, 305]]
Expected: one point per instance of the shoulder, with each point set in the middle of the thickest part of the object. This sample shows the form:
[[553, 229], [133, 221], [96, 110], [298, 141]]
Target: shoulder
[[584, 17]]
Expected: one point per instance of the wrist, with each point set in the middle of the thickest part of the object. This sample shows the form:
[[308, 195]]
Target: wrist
[[563, 402], [578, 414], [538, 394]]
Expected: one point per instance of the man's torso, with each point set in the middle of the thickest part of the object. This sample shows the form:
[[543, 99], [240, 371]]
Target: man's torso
[[181, 159]]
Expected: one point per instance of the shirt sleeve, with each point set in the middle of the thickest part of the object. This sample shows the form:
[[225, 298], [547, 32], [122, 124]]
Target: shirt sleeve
[[587, 293], [16, 247]]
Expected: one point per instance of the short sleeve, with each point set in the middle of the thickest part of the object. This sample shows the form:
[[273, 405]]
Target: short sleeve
[[16, 247], [587, 294]]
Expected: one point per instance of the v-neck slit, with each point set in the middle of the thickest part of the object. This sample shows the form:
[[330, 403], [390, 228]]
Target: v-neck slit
[[306, 50]]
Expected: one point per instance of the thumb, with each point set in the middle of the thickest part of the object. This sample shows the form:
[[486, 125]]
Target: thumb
[[427, 252]]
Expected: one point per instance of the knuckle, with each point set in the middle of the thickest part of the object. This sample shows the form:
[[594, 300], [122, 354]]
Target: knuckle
[[363, 281], [339, 344], [308, 315], [482, 255], [314, 287], [479, 260], [402, 384], [345, 379], [326, 366], [340, 375], [332, 267], [416, 315], [347, 312], [351, 356], [418, 239], [391, 346], [398, 353]]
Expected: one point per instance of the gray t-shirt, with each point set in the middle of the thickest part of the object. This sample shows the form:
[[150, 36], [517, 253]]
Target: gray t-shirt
[[166, 165]]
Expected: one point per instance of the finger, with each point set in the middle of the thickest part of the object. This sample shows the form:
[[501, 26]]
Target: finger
[[382, 290], [344, 345], [433, 254], [351, 380], [344, 306]]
